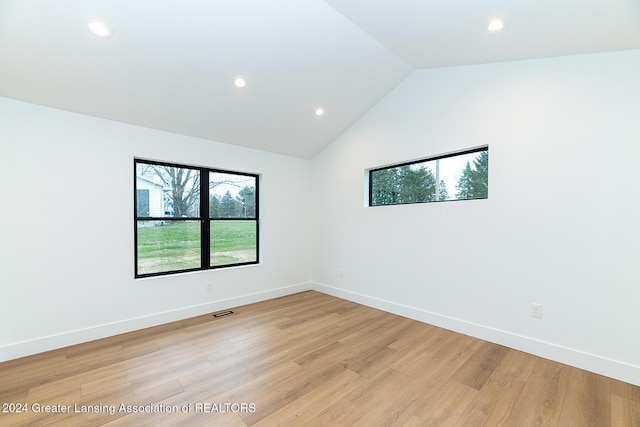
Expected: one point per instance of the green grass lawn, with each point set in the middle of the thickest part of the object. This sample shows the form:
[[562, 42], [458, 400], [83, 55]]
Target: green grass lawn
[[176, 246]]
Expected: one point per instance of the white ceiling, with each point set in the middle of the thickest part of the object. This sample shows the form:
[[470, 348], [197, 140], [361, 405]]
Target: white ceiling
[[170, 64], [428, 33]]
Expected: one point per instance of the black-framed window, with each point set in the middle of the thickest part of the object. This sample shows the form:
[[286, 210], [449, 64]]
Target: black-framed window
[[463, 175], [191, 218]]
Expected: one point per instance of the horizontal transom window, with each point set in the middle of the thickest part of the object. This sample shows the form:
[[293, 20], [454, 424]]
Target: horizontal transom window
[[459, 176]]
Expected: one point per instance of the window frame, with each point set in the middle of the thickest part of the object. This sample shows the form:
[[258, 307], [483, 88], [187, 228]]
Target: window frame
[[203, 217], [422, 160]]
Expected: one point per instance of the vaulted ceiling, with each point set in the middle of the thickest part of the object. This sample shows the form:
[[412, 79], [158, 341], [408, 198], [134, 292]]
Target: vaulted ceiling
[[171, 64]]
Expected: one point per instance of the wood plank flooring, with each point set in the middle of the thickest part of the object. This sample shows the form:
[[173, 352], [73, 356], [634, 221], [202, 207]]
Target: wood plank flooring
[[305, 360]]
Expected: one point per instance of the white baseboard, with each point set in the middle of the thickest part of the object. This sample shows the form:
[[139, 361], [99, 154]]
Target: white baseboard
[[590, 362], [52, 342]]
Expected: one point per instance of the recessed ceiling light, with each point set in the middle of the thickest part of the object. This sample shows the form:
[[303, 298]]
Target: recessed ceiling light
[[319, 111], [495, 25], [240, 82], [98, 27]]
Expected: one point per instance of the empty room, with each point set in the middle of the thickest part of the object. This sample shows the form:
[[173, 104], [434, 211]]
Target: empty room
[[320, 212]]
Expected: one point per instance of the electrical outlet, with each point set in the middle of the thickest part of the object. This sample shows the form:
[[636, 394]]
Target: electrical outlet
[[536, 310], [341, 273], [208, 287]]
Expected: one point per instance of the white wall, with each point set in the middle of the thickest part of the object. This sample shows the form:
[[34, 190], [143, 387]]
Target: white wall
[[66, 224], [560, 227]]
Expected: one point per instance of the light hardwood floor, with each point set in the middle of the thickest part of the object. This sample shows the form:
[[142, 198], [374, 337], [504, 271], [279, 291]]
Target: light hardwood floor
[[307, 360]]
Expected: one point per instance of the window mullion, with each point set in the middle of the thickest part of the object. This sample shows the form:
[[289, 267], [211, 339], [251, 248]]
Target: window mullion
[[205, 228]]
